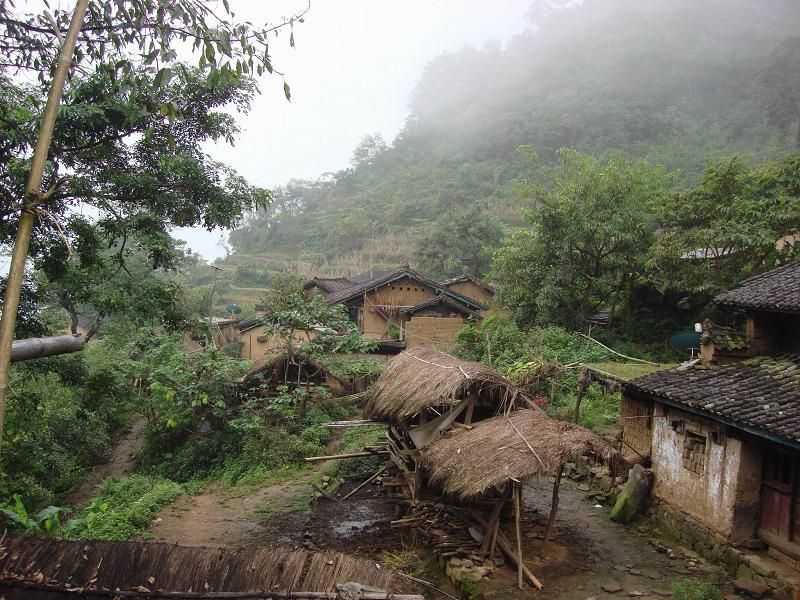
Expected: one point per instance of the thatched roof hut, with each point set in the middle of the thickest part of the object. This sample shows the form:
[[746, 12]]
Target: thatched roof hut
[[35, 567], [525, 444], [422, 378]]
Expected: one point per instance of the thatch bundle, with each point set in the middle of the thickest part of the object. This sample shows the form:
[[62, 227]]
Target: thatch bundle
[[422, 378], [527, 443], [58, 565]]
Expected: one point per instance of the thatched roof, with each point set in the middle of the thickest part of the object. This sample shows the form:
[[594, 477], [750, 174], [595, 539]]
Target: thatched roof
[[421, 378], [36, 567], [468, 463]]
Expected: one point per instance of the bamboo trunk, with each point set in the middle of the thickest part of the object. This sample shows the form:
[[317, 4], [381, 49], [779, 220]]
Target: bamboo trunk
[[33, 196], [517, 509]]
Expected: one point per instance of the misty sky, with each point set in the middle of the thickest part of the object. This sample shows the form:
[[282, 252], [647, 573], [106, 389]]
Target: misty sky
[[351, 73]]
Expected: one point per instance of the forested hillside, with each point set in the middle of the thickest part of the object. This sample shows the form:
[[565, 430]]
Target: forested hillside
[[674, 82]]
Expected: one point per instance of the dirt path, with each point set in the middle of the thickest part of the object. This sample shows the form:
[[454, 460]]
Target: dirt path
[[119, 464], [220, 518]]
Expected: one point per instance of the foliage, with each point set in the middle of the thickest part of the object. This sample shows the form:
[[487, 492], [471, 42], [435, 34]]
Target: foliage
[[61, 412], [148, 34], [124, 508], [694, 589], [455, 242], [588, 234], [136, 170], [355, 439], [183, 394], [46, 522], [729, 225]]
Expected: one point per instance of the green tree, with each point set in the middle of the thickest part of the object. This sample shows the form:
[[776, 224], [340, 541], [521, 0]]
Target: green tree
[[464, 240], [728, 227], [136, 40], [589, 232]]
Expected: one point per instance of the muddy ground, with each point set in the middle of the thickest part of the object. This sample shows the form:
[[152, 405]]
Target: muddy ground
[[589, 555]]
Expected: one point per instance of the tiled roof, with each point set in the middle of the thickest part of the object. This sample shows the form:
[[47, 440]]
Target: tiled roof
[[457, 306], [778, 289], [468, 277], [761, 393], [331, 285], [390, 276]]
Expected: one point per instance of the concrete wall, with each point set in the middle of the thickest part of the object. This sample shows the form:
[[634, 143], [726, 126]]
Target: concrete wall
[[724, 494], [438, 332]]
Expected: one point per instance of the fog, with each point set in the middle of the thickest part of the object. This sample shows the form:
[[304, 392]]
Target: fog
[[351, 73]]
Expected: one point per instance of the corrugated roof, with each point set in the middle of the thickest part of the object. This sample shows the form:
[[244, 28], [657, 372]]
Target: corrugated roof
[[761, 393], [778, 289]]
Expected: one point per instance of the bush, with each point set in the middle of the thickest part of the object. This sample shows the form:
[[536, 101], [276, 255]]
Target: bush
[[124, 508]]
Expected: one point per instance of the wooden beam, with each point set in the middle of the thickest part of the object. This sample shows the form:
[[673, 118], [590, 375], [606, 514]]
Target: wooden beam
[[338, 456], [491, 527], [470, 409]]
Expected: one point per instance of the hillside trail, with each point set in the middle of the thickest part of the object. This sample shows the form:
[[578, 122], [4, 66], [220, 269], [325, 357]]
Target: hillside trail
[[217, 518], [125, 447]]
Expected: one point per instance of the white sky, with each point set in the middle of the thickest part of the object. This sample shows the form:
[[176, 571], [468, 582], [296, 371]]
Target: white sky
[[351, 73]]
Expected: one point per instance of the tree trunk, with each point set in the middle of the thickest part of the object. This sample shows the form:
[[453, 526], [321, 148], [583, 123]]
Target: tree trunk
[[32, 194], [49, 346], [553, 508]]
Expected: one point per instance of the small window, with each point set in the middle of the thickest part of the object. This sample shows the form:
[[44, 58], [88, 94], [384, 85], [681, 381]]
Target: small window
[[694, 452]]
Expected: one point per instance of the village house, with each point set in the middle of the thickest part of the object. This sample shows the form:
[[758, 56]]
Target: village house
[[722, 432], [401, 308]]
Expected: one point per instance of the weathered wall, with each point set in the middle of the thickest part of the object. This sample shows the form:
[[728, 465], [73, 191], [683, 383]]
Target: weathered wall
[[472, 290], [718, 487], [256, 344], [432, 331], [637, 427], [403, 293]]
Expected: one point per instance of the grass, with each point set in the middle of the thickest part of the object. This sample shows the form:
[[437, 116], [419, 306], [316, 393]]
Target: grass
[[411, 561], [627, 371], [124, 508], [694, 589], [355, 439]]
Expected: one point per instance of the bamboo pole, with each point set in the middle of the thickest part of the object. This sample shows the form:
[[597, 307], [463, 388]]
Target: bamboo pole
[[553, 508], [338, 456], [372, 477], [517, 509], [33, 195], [491, 528]]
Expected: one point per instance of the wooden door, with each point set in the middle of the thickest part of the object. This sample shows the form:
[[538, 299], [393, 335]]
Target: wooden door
[[778, 497]]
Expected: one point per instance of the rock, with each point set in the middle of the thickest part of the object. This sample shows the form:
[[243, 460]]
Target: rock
[[633, 492], [750, 588], [612, 587], [662, 592], [635, 594], [636, 572], [651, 573], [733, 597], [467, 563], [583, 488], [620, 568], [782, 594]]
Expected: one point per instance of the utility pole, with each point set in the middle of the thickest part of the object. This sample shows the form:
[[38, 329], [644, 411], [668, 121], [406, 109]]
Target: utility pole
[[33, 197], [213, 289]]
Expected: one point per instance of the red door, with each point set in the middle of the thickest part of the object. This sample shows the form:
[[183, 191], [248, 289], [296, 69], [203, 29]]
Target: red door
[[778, 484]]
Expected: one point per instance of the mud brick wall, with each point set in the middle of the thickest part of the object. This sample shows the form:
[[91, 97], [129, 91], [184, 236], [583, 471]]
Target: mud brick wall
[[404, 292], [472, 290], [706, 473], [439, 332], [637, 427]]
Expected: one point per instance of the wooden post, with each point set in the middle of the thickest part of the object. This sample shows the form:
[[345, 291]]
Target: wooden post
[[583, 384], [517, 510], [33, 196], [470, 409], [490, 535], [553, 508]]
